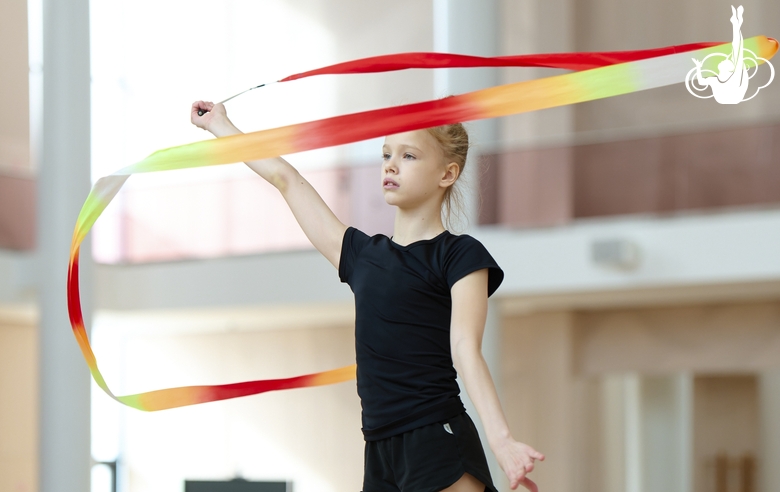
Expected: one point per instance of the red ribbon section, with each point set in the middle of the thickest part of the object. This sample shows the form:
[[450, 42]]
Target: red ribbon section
[[568, 61]]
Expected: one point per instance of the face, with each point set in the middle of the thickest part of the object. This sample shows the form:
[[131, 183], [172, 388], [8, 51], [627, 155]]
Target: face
[[414, 170]]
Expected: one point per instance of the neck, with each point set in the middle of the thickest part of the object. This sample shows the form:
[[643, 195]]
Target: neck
[[417, 224]]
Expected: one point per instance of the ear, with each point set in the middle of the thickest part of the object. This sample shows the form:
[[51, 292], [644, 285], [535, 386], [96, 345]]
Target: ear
[[451, 173]]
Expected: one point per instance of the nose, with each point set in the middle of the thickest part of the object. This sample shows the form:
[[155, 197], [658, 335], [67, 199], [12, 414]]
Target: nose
[[389, 166]]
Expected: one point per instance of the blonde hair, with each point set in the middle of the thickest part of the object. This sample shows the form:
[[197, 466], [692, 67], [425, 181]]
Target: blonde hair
[[454, 142]]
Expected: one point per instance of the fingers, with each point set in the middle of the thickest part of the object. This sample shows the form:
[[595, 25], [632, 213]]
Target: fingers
[[534, 454], [202, 106], [529, 465], [529, 484], [521, 474], [199, 113], [518, 460], [525, 482], [514, 482]]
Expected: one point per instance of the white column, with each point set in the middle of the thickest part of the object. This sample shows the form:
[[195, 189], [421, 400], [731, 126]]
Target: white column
[[666, 435], [684, 389], [537, 26], [613, 418], [633, 432], [769, 457], [658, 419], [468, 27], [64, 180], [472, 27]]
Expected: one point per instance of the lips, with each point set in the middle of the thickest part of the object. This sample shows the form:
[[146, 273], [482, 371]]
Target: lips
[[388, 183]]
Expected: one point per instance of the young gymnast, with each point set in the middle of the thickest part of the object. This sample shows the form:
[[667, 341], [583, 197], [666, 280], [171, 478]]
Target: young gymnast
[[421, 305]]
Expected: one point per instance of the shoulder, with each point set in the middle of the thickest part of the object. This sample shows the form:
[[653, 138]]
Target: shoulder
[[353, 245], [355, 241], [464, 254], [354, 234], [460, 243]]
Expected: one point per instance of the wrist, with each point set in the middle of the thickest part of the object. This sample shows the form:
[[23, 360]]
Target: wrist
[[499, 439], [222, 127]]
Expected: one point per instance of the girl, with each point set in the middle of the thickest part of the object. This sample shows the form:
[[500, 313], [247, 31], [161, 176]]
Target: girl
[[421, 305]]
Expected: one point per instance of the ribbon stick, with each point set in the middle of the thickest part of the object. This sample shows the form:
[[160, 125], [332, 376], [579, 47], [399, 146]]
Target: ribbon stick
[[616, 73]]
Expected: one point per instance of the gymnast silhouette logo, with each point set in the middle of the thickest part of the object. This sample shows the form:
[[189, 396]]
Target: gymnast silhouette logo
[[730, 84]]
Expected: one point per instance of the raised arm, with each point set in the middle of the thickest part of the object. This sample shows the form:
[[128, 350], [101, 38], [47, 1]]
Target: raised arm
[[319, 223], [469, 312]]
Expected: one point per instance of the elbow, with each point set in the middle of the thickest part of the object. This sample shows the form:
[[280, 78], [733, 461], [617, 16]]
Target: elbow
[[282, 177], [456, 362], [279, 181], [464, 354]]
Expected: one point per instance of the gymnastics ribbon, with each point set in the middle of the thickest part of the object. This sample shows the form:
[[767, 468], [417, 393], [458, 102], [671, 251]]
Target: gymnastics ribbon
[[614, 74], [405, 61]]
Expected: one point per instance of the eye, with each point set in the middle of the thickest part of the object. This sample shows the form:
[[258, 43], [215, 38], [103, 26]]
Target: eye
[[409, 156], [385, 156]]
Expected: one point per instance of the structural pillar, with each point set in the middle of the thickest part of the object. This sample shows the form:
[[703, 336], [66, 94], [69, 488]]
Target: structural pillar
[[471, 27], [666, 433], [63, 185], [769, 409], [468, 27]]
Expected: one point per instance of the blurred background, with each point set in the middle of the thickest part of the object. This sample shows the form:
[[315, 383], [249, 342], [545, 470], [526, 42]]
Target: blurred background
[[636, 337]]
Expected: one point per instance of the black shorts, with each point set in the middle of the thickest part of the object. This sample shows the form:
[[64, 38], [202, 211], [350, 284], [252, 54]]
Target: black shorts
[[427, 459]]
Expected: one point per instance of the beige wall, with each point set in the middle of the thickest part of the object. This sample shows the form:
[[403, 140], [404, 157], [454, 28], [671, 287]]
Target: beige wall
[[18, 406], [718, 338], [567, 390], [540, 392]]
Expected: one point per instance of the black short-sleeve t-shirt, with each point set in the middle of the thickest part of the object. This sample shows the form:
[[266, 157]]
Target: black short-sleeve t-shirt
[[403, 309]]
